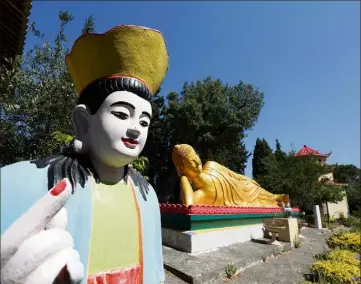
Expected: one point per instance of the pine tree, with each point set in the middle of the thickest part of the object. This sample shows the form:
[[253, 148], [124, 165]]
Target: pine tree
[[261, 151], [280, 155]]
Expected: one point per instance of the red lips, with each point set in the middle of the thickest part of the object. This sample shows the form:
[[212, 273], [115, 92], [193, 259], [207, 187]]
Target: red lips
[[130, 141]]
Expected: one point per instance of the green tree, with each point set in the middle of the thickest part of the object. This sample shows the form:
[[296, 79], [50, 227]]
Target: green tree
[[350, 175], [346, 173], [37, 98], [213, 117], [280, 155], [141, 164], [353, 192], [261, 151], [210, 116], [299, 177], [89, 25]]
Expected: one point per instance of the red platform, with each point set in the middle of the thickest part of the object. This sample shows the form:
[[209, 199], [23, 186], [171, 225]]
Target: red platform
[[218, 210]]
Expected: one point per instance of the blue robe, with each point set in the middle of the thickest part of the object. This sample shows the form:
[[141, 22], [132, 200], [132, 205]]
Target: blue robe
[[23, 184]]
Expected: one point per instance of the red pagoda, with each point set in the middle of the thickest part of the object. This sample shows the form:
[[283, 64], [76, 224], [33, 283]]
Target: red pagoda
[[322, 158], [307, 151]]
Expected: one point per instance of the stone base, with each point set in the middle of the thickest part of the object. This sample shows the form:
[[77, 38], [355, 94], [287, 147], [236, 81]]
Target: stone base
[[201, 228], [290, 232], [205, 240]]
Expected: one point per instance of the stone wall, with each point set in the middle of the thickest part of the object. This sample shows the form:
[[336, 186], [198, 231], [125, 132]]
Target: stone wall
[[335, 209]]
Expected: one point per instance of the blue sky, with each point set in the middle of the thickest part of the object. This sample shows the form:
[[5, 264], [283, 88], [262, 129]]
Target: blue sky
[[304, 56]]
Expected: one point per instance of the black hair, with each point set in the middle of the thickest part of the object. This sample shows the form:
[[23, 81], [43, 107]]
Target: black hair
[[95, 93], [78, 168]]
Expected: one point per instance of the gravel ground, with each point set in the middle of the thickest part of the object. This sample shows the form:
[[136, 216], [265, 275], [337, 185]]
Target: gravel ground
[[286, 268], [171, 279]]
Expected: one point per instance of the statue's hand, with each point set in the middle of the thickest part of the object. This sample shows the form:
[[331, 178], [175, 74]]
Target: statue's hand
[[186, 191], [36, 248]]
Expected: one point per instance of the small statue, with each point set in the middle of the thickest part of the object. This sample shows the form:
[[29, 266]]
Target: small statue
[[84, 216], [214, 184]]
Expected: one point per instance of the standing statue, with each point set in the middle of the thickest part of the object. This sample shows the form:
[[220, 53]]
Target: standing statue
[[214, 184], [85, 216]]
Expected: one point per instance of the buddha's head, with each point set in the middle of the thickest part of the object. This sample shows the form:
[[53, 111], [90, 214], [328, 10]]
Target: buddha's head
[[116, 75], [186, 161]]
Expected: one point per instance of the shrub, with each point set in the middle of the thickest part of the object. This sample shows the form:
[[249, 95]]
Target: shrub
[[230, 270], [345, 241], [345, 256], [347, 222], [356, 229], [341, 265], [322, 256], [356, 224], [337, 272]]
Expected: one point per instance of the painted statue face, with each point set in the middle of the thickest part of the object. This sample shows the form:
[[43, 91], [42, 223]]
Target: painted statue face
[[119, 129]]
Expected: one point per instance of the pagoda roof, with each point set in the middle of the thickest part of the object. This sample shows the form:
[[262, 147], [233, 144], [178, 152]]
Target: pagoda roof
[[13, 27], [308, 151]]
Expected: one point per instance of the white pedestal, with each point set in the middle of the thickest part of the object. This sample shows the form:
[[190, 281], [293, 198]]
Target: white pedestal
[[205, 240]]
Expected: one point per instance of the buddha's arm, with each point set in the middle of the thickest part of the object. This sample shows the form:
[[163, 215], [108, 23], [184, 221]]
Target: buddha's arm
[[186, 191]]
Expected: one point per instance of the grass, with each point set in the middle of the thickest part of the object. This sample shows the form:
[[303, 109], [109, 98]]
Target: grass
[[350, 222], [230, 270], [297, 242]]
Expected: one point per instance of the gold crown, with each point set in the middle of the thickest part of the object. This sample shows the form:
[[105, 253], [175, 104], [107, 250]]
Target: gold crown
[[123, 51]]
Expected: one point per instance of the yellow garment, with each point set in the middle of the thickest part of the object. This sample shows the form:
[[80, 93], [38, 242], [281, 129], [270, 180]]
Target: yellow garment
[[239, 189], [114, 242]]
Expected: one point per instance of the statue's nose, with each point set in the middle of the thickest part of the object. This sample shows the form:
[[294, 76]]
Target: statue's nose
[[133, 133]]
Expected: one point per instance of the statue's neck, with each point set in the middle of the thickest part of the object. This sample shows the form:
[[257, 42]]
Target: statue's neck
[[106, 174]]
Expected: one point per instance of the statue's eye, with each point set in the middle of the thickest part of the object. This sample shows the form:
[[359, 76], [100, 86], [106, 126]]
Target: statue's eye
[[143, 123], [120, 115]]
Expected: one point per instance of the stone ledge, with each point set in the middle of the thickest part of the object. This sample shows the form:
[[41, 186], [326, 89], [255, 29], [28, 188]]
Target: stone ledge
[[203, 267]]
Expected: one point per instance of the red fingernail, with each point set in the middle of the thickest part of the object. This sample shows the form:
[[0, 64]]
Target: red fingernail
[[59, 188]]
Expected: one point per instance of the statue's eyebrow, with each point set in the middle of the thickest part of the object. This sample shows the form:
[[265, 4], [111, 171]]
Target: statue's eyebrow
[[120, 103], [147, 114]]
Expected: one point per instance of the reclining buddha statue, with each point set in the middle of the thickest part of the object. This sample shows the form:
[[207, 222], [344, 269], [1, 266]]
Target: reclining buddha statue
[[214, 184]]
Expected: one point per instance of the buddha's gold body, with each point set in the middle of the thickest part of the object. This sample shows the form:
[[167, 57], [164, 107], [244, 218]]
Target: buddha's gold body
[[214, 184]]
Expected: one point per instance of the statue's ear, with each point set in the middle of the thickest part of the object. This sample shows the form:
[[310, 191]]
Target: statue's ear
[[180, 169], [81, 117]]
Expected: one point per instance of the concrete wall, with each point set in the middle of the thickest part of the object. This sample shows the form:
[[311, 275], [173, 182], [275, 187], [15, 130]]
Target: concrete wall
[[329, 176], [336, 208]]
